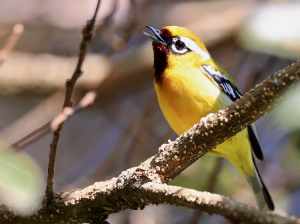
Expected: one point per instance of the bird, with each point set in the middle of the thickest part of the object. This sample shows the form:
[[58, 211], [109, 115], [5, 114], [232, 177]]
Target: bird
[[190, 86]]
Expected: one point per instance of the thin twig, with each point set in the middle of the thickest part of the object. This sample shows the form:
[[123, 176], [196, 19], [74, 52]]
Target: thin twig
[[86, 101], [67, 112], [40, 132], [11, 42], [52, 125], [70, 84]]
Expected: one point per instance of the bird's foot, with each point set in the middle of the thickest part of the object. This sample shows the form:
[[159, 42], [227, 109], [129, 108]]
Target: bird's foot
[[163, 147], [204, 120]]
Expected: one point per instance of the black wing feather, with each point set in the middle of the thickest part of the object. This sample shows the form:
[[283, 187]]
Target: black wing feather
[[220, 80], [266, 194], [233, 93]]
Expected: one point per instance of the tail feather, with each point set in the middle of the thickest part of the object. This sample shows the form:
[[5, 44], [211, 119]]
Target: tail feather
[[262, 195]]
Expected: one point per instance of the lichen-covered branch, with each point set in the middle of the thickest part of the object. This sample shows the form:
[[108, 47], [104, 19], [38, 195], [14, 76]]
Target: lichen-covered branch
[[212, 204], [94, 203], [198, 140], [142, 185]]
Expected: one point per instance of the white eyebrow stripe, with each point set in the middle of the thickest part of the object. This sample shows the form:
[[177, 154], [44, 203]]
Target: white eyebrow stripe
[[190, 44]]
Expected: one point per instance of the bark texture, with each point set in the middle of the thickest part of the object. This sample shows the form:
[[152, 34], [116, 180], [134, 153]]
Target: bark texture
[[139, 186]]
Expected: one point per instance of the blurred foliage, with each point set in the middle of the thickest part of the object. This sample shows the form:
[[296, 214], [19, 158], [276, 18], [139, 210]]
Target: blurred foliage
[[288, 119], [21, 181], [273, 29]]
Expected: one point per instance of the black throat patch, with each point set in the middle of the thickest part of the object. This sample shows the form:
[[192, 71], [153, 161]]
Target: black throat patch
[[161, 53]]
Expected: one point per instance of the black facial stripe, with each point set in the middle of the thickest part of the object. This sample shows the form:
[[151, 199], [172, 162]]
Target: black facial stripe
[[169, 40]]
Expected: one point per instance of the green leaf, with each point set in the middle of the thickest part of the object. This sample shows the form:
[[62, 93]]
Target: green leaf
[[21, 181]]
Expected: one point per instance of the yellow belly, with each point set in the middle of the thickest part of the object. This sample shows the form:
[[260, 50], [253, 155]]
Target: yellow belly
[[186, 100]]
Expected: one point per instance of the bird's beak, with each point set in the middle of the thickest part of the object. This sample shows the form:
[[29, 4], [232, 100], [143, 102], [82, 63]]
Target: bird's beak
[[157, 35]]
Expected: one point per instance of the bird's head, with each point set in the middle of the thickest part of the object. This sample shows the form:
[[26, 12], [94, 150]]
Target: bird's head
[[176, 47]]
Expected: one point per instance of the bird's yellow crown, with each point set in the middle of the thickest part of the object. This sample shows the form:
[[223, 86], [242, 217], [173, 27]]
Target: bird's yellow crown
[[184, 32]]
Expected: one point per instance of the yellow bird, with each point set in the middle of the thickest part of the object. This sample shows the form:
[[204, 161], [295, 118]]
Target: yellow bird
[[190, 84]]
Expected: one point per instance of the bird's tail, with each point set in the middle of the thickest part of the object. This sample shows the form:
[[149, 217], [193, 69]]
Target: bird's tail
[[262, 195]]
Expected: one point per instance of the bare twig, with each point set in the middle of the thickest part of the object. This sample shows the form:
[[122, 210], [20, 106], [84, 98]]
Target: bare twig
[[38, 133], [70, 85], [142, 185], [87, 100], [52, 125], [11, 42], [33, 119]]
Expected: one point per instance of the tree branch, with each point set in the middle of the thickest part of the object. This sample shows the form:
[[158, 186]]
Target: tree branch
[[132, 190], [94, 203], [234, 211]]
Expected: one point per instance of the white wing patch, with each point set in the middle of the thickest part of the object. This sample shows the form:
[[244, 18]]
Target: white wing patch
[[220, 80]]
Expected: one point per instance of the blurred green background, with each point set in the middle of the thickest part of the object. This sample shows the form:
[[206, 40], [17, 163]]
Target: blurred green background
[[250, 39]]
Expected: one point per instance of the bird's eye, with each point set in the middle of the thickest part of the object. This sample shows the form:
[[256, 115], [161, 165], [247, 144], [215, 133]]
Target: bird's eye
[[179, 45]]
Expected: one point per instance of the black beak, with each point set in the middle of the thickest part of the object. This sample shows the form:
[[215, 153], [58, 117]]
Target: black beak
[[157, 35]]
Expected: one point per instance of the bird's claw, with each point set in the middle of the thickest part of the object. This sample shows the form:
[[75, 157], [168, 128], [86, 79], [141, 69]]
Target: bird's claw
[[163, 147], [204, 120]]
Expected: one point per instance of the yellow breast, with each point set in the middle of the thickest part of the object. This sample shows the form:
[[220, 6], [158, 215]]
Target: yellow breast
[[184, 100], [185, 97]]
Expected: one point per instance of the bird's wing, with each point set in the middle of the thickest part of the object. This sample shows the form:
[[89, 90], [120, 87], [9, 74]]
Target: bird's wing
[[222, 81], [233, 93]]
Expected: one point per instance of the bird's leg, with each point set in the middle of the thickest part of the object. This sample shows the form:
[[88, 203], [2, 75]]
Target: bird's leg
[[204, 120], [164, 146]]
